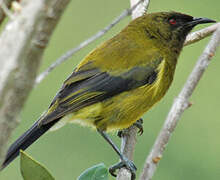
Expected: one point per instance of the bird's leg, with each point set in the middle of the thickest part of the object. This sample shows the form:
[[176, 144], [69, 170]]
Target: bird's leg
[[125, 162], [138, 124]]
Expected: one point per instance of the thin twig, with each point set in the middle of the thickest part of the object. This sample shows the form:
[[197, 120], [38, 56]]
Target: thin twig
[[85, 43], [23, 42], [201, 34], [128, 140], [180, 104]]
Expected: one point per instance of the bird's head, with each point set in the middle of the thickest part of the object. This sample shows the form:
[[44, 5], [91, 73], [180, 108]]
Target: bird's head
[[170, 28]]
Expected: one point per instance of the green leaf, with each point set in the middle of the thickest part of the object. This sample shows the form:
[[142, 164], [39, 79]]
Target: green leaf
[[97, 172], [33, 170]]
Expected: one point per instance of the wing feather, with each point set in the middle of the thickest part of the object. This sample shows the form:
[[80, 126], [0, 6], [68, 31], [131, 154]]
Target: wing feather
[[86, 87]]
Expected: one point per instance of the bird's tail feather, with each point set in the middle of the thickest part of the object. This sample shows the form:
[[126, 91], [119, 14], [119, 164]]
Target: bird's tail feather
[[25, 140]]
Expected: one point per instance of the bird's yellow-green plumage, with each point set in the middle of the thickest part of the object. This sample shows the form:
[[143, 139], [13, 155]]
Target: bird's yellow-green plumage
[[139, 52], [119, 81]]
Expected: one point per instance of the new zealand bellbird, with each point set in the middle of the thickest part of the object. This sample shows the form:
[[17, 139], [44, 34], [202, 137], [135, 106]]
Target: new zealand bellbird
[[120, 80]]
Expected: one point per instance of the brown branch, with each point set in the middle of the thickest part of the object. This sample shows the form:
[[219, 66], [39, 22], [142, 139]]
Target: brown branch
[[179, 106], [85, 43], [23, 42]]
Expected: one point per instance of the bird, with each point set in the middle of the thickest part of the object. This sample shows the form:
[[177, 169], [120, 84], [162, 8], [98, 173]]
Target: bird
[[118, 81]]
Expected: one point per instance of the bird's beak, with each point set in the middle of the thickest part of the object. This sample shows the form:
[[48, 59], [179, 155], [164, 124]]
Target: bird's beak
[[197, 21]]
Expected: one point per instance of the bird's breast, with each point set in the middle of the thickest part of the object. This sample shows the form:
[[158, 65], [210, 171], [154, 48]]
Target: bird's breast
[[122, 110], [126, 108]]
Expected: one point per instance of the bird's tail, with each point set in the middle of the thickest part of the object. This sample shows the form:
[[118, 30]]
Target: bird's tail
[[25, 140]]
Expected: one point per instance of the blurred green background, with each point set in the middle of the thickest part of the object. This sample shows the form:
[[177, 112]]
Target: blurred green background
[[193, 151]]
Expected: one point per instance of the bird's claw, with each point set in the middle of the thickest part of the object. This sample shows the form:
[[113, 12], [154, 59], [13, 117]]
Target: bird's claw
[[138, 124], [126, 163]]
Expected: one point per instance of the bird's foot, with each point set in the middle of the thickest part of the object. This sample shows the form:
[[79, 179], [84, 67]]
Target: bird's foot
[[138, 124], [126, 163]]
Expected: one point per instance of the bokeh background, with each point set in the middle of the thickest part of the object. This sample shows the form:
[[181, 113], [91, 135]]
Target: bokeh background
[[193, 151]]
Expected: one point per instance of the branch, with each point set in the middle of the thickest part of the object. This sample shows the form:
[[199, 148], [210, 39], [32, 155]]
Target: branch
[[85, 43], [23, 42], [141, 8], [180, 104], [201, 34], [128, 140]]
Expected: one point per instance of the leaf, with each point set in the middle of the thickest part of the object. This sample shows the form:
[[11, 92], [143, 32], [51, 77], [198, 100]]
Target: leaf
[[97, 172], [33, 170]]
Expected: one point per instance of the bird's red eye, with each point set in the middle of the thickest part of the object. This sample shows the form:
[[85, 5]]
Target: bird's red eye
[[172, 21]]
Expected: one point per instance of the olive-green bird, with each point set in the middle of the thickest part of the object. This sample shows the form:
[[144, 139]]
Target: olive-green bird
[[120, 80]]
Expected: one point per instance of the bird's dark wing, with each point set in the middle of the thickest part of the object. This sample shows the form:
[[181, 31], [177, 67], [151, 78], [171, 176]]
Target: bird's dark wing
[[86, 87]]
